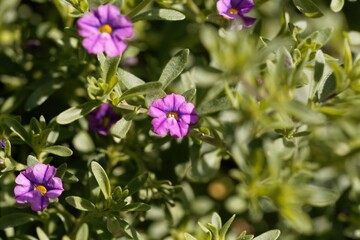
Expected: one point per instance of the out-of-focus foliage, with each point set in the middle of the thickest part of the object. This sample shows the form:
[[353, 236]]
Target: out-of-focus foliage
[[276, 148]]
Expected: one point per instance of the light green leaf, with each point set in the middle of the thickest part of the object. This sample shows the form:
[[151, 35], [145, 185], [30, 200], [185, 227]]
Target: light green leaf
[[129, 230], [308, 8], [17, 128], [121, 128], [31, 161], [337, 5], [319, 66], [269, 235], [80, 203], [101, 178], [74, 113], [128, 79], [189, 94], [59, 150], [214, 105], [226, 227], [41, 234], [319, 197], [16, 219], [83, 232], [141, 89], [174, 67], [297, 219], [109, 67], [189, 237], [159, 14]]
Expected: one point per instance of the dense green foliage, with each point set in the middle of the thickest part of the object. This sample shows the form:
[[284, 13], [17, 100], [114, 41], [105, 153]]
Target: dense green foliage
[[277, 145]]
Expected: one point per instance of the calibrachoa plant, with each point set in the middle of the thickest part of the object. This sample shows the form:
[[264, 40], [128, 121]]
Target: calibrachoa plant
[[172, 114], [105, 30], [102, 119], [179, 120], [37, 185]]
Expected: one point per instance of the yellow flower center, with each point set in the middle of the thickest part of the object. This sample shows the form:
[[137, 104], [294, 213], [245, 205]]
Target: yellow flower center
[[41, 189], [172, 115], [233, 11], [105, 28], [105, 121]]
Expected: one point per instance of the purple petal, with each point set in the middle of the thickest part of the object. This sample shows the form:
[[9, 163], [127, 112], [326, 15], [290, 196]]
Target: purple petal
[[188, 114], [21, 179], [178, 129], [43, 172], [122, 26], [114, 47], [22, 192], [158, 109], [160, 126], [223, 6], [54, 187], [248, 21], [106, 12], [38, 202], [243, 6], [24, 197], [94, 44], [173, 101], [88, 25]]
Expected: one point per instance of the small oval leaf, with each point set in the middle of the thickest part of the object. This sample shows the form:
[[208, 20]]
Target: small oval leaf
[[101, 178], [59, 150], [160, 14], [74, 113], [80, 203]]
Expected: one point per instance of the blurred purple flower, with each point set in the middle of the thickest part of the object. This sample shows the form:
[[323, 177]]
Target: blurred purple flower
[[172, 113], [235, 10], [102, 119], [104, 30], [36, 185], [2, 143]]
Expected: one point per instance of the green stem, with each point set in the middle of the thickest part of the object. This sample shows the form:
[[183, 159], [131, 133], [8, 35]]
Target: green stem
[[132, 108], [138, 8]]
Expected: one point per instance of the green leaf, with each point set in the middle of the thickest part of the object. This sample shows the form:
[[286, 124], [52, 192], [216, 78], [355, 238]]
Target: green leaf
[[159, 14], [42, 93], [319, 66], [189, 237], [129, 230], [17, 128], [113, 225], [337, 5], [74, 113], [298, 219], [141, 89], [101, 178], [80, 203], [319, 197], [214, 105], [16, 219], [136, 207], [326, 88], [121, 128], [59, 150], [216, 220], [136, 183], [128, 79], [83, 232], [31, 161], [174, 67], [226, 227], [109, 67], [269, 235], [308, 8], [41, 234], [189, 94]]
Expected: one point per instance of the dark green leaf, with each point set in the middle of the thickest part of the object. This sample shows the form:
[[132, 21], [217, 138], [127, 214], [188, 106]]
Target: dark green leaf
[[137, 207], [74, 113], [17, 128], [215, 105], [16, 219], [141, 89], [42, 93], [135, 184]]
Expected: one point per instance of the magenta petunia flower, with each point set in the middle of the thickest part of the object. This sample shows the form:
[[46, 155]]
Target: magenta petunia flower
[[172, 114], [37, 185], [102, 119], [235, 9], [104, 30]]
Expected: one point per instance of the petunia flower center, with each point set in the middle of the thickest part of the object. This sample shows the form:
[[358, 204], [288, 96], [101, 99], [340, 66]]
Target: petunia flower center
[[41, 189], [233, 11], [105, 29], [172, 115], [105, 121]]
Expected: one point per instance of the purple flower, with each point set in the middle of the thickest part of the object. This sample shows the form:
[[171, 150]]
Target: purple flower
[[104, 30], [102, 119], [36, 185], [2, 143], [235, 9], [172, 113]]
